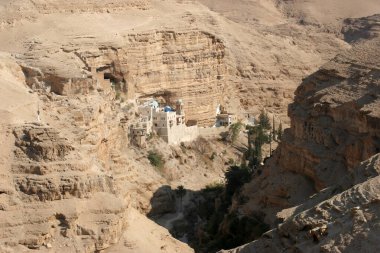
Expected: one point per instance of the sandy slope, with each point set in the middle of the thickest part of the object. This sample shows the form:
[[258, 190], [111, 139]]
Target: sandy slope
[[143, 236], [329, 13], [253, 11], [17, 102], [268, 56]]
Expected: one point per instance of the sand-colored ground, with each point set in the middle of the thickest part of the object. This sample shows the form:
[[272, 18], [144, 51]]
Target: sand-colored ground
[[265, 49]]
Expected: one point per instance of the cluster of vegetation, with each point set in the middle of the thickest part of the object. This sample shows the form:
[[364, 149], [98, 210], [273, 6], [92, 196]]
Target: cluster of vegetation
[[236, 177], [222, 228], [156, 159], [235, 130], [221, 231], [214, 187], [180, 192], [258, 135]]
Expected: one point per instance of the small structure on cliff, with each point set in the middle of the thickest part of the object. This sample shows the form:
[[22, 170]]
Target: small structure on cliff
[[223, 118], [166, 122]]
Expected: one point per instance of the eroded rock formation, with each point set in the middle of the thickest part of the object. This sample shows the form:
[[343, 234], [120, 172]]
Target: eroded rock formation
[[324, 175], [188, 65], [67, 182], [347, 222], [334, 127], [70, 181]]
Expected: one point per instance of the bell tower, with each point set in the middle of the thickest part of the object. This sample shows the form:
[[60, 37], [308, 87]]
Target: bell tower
[[179, 107]]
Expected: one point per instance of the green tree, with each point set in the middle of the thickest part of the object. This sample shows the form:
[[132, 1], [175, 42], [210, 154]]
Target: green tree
[[181, 192], [257, 137], [235, 130], [279, 132], [264, 120], [235, 178]]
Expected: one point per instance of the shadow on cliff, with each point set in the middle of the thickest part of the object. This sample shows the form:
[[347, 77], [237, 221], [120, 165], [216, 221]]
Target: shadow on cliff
[[162, 202], [358, 29], [204, 219]]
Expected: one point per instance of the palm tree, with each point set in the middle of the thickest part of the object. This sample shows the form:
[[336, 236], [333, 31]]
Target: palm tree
[[181, 191]]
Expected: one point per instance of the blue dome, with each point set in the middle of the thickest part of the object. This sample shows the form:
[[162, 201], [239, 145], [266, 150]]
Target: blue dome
[[168, 109]]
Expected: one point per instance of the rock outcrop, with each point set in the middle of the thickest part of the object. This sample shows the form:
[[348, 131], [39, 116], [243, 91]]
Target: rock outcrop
[[16, 11], [324, 176], [188, 65], [359, 29], [46, 186], [68, 182], [347, 222], [191, 54], [334, 127]]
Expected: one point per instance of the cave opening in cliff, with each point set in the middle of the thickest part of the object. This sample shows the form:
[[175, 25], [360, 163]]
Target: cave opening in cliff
[[110, 77], [117, 81]]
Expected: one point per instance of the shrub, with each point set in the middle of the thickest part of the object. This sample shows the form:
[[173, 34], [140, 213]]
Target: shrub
[[235, 130], [236, 177], [214, 187], [212, 157], [156, 159]]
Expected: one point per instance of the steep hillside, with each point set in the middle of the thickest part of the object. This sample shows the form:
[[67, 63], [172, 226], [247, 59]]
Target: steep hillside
[[347, 222], [67, 181], [334, 127], [71, 74], [328, 15], [324, 175], [182, 48]]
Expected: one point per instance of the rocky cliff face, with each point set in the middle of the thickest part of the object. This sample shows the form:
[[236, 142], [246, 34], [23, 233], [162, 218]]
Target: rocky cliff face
[[193, 53], [17, 10], [188, 65], [71, 179], [334, 129], [68, 182], [45, 185], [347, 221]]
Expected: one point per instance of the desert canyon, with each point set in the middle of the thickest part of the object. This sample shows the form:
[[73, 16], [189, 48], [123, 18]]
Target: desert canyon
[[73, 75]]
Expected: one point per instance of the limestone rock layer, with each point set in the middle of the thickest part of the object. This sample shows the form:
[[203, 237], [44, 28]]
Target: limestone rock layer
[[320, 190], [188, 65]]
